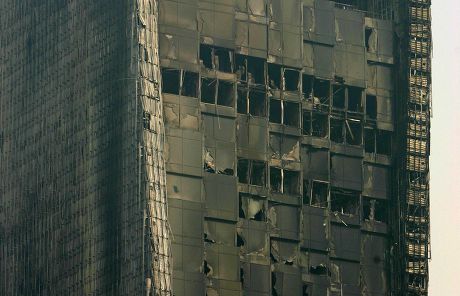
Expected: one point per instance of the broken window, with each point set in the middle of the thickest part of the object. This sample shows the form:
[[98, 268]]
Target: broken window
[[306, 290], [251, 172], [275, 111], [208, 90], [257, 173], [337, 130], [307, 86], [319, 192], [216, 58], [371, 107], [383, 142], [368, 35], [190, 84], [256, 70], [170, 80], [319, 269], [274, 76], [369, 140], [241, 68], [242, 100], [374, 210], [338, 97], [257, 102], [147, 121], [355, 99], [321, 89], [284, 181], [306, 122], [223, 59], [206, 56], [291, 114], [291, 182], [276, 181], [291, 79], [319, 125], [252, 207], [354, 131], [344, 201], [225, 95]]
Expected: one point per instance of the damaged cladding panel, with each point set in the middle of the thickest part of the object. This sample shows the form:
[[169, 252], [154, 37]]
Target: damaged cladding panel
[[231, 147]]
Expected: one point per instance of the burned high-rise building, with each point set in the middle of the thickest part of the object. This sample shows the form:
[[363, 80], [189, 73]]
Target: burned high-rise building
[[214, 147]]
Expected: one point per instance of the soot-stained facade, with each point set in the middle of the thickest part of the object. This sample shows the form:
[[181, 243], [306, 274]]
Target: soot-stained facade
[[219, 147]]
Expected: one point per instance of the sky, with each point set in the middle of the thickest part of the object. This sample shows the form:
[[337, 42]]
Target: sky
[[445, 150]]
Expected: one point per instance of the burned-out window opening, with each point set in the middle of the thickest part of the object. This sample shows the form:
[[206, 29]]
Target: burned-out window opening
[[147, 120], [417, 281], [345, 202], [274, 76], [239, 240], [243, 170], [368, 32], [371, 107], [291, 181], [241, 67], [375, 210], [321, 92], [275, 111], [383, 142], [207, 269], [225, 95], [337, 134], [171, 79], [276, 180], [274, 291], [206, 56], [252, 207], [208, 90], [369, 140], [216, 58], [242, 100], [251, 171], [354, 131], [307, 86], [223, 59], [291, 114], [291, 79], [209, 162], [319, 125], [355, 95], [256, 70], [190, 84], [306, 122], [319, 269], [338, 96], [257, 102], [319, 192]]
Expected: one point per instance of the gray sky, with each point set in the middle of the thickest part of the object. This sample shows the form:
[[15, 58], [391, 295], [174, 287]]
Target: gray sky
[[445, 150]]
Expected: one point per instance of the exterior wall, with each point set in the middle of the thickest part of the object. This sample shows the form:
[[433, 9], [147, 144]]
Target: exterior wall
[[279, 122], [70, 214]]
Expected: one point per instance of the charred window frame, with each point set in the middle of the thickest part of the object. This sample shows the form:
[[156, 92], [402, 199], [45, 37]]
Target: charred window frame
[[345, 202], [216, 58], [369, 140], [371, 107], [147, 121], [319, 194], [284, 181], [274, 76], [208, 90], [306, 122], [315, 124], [375, 210], [284, 112], [354, 99], [338, 96], [252, 101], [337, 134], [291, 79], [307, 86], [383, 142], [354, 132], [180, 82], [321, 94], [251, 172], [225, 93]]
